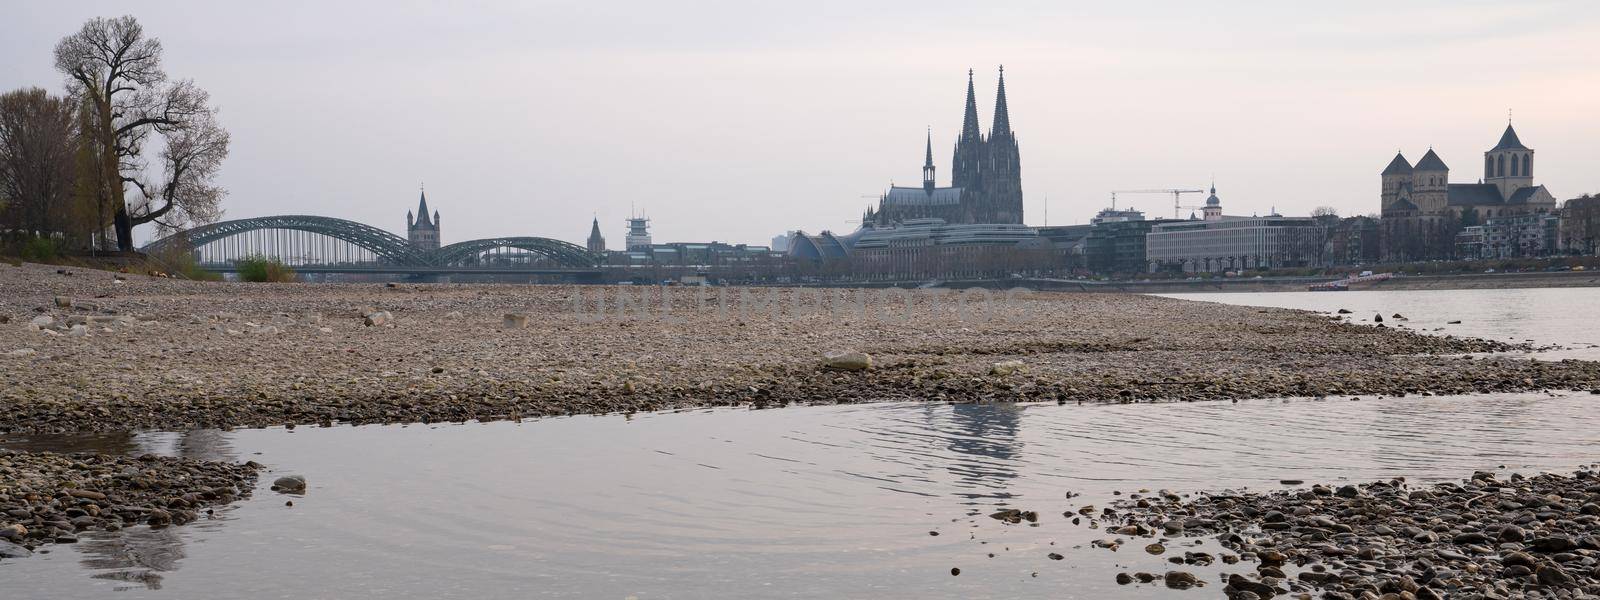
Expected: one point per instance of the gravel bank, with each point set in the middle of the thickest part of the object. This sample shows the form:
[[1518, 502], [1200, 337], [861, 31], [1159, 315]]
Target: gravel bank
[[156, 353], [51, 498], [1489, 536]]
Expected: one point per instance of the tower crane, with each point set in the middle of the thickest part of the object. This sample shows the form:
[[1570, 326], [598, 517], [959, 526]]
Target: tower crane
[[1177, 204]]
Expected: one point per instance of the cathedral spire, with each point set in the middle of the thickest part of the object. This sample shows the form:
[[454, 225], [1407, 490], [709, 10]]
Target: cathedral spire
[[927, 165], [1002, 115], [970, 132]]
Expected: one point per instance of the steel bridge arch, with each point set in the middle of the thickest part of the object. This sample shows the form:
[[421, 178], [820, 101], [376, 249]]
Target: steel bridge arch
[[566, 253], [388, 246]]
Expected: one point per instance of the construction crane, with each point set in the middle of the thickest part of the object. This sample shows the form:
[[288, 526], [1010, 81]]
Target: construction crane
[[1177, 203]]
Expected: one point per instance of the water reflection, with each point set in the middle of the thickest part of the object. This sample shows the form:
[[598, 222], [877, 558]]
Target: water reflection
[[983, 446], [137, 556], [199, 444]]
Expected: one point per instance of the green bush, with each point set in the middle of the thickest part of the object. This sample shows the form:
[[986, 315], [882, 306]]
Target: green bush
[[260, 269], [39, 249]]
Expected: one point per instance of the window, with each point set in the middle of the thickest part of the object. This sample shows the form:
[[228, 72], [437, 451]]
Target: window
[[1500, 166], [1513, 166], [1488, 166], [1527, 165]]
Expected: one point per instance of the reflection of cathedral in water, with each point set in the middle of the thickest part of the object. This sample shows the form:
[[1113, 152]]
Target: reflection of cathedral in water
[[984, 445]]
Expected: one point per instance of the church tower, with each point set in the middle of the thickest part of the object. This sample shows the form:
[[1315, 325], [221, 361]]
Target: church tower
[[1002, 175], [1396, 181], [1213, 208], [1509, 165], [597, 244], [967, 165], [927, 166], [1430, 184], [423, 231]]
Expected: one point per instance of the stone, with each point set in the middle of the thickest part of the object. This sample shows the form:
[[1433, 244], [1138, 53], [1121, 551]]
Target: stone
[[1512, 533], [10, 550], [1377, 318], [63, 302], [377, 318], [1005, 367], [1180, 580], [290, 484], [1553, 544], [1256, 588], [514, 321], [14, 531], [78, 331], [1552, 575], [1124, 579], [87, 494], [22, 352], [847, 360], [42, 321]]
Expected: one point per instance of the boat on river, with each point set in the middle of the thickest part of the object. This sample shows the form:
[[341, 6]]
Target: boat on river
[[1344, 284]]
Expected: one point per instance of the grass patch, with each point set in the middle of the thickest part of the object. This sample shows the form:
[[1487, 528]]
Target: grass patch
[[260, 269]]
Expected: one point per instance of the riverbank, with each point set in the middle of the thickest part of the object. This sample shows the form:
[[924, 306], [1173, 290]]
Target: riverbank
[[1488, 536], [133, 352], [1461, 281]]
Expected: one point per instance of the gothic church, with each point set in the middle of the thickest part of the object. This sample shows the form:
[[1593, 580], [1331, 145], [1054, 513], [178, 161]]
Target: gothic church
[[986, 186]]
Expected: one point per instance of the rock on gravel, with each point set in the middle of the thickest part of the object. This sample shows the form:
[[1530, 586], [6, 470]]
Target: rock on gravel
[[847, 360]]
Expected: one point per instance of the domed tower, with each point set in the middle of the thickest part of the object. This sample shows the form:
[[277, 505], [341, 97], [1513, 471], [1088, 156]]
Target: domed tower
[[1213, 208], [1509, 165], [1430, 183]]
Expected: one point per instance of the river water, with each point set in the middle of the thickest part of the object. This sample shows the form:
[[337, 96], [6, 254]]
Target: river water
[[798, 502]]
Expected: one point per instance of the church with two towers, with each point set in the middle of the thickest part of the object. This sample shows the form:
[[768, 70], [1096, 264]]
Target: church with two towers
[[986, 177]]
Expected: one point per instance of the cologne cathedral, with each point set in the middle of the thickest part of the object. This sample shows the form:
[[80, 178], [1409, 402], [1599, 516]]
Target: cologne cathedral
[[986, 183]]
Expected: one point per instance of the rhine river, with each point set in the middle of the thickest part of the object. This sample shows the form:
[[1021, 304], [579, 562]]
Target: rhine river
[[803, 502]]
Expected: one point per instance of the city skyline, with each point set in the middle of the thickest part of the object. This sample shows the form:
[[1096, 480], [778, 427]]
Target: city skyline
[[529, 121]]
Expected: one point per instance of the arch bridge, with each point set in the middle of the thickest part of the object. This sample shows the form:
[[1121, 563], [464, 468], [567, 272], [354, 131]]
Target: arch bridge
[[332, 245]]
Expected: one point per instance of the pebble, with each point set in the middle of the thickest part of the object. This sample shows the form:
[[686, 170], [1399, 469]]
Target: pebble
[[1514, 534]]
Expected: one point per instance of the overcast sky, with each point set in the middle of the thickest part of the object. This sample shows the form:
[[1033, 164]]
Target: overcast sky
[[734, 121]]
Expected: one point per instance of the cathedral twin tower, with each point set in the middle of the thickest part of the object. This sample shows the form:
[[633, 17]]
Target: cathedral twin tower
[[986, 180]]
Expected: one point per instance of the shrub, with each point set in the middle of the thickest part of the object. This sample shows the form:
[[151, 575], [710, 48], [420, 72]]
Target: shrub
[[38, 249], [260, 269]]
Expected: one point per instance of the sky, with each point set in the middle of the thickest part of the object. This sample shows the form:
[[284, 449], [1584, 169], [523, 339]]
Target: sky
[[738, 120]]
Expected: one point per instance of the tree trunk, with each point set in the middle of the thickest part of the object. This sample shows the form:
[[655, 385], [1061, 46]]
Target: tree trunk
[[124, 224]]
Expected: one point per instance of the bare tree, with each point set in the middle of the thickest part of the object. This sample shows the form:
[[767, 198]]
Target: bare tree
[[1324, 211], [38, 148], [117, 73]]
